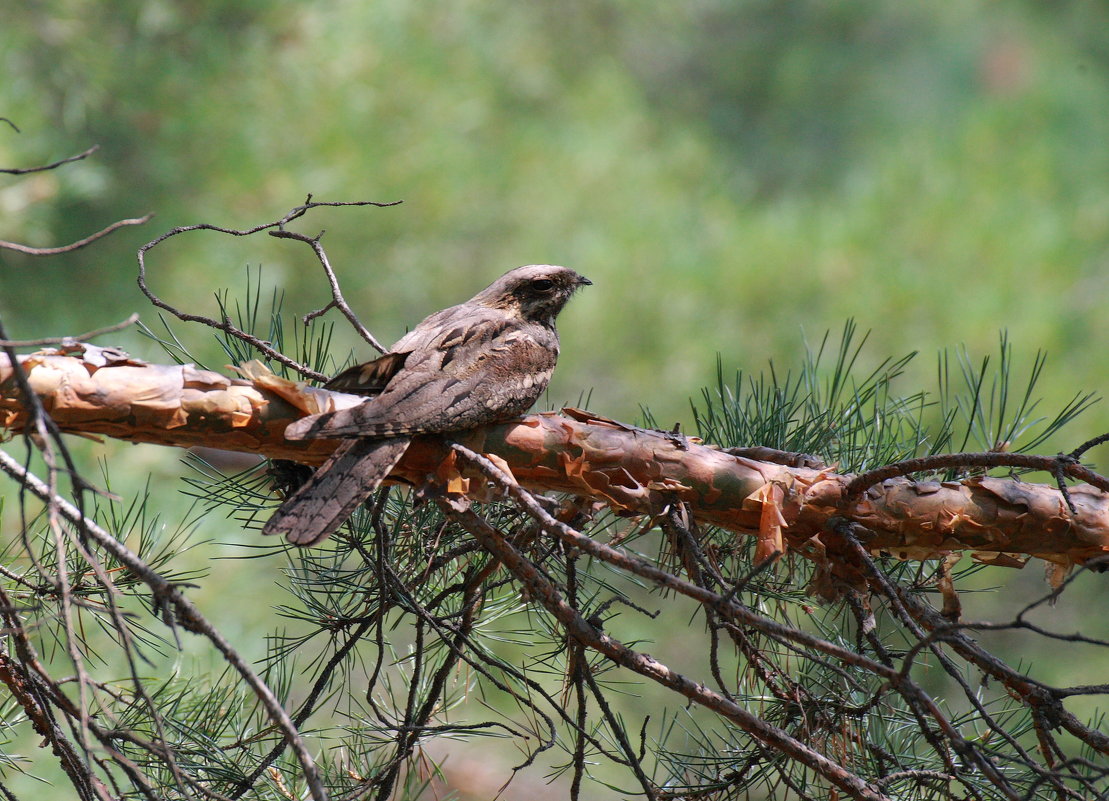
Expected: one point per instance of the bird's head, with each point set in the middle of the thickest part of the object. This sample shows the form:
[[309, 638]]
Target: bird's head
[[536, 292]]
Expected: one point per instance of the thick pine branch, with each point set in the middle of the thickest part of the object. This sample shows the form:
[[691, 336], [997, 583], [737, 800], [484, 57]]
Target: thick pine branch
[[634, 471]]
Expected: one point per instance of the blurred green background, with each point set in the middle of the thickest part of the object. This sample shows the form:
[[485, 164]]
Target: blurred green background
[[728, 173], [735, 177]]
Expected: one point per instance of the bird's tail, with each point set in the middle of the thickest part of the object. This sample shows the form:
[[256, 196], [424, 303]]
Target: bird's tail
[[331, 495]]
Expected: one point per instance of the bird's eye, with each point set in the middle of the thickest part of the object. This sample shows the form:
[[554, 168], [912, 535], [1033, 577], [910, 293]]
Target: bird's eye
[[542, 284]]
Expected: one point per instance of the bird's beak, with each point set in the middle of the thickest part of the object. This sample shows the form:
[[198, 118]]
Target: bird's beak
[[583, 281]]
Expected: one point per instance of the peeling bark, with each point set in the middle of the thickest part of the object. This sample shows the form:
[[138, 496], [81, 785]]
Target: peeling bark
[[102, 391]]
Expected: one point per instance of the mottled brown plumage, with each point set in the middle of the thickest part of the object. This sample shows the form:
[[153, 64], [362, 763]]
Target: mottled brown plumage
[[480, 362]]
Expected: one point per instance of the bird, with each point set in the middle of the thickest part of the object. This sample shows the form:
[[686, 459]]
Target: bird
[[483, 361]]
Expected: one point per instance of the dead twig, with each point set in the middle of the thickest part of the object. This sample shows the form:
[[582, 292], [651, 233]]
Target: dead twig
[[69, 341], [80, 243], [337, 299], [185, 613], [542, 590], [276, 227], [45, 167], [1051, 464]]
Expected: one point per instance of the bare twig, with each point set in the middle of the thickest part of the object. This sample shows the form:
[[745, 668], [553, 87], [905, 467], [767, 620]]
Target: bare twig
[[1049, 464], [1076, 454], [544, 591], [38, 707], [275, 227], [186, 614], [52, 165], [305, 711], [337, 299], [69, 341], [80, 243]]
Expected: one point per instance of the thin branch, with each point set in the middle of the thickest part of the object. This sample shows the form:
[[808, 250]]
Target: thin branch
[[618, 732], [69, 341], [52, 166], [1076, 454], [305, 711], [186, 613], [1049, 464], [38, 710], [276, 226], [337, 299], [80, 243], [545, 592]]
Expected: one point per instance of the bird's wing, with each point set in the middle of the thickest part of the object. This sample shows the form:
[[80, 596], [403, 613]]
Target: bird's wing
[[435, 332], [488, 367], [438, 332], [369, 378]]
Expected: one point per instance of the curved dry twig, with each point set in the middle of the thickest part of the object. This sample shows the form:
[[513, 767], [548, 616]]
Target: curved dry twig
[[337, 299], [186, 613], [276, 227], [588, 635], [80, 243], [45, 167], [69, 341], [37, 702], [1067, 463], [1077, 453]]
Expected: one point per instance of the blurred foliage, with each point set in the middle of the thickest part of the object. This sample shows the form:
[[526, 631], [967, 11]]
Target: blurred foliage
[[727, 172]]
